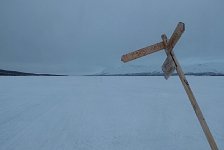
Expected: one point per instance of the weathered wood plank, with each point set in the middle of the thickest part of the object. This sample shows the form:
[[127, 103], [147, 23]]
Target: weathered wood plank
[[179, 30], [168, 67], [142, 52]]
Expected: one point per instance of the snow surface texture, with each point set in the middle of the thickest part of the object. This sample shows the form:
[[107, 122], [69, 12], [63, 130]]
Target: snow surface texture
[[108, 113]]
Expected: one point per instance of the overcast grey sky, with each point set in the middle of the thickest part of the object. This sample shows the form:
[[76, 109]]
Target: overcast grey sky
[[85, 36]]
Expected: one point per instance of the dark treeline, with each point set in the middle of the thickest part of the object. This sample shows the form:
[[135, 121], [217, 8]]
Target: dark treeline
[[18, 73]]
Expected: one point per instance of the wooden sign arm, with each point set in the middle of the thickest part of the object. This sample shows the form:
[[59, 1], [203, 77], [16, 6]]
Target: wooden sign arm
[[191, 97], [142, 52], [179, 30]]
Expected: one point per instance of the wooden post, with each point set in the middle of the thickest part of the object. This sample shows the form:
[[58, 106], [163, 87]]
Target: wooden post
[[170, 64], [190, 94]]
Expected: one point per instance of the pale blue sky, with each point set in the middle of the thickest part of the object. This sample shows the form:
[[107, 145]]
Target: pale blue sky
[[85, 36]]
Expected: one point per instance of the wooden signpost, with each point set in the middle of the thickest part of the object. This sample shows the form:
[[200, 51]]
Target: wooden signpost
[[171, 63]]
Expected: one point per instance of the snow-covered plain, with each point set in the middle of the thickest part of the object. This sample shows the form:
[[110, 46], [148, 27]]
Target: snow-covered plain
[[108, 113]]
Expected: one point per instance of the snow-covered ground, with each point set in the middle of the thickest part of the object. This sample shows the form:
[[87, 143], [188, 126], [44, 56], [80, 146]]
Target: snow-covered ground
[[108, 113]]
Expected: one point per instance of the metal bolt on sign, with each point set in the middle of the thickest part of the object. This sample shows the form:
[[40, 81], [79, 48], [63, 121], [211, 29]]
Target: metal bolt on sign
[[170, 64]]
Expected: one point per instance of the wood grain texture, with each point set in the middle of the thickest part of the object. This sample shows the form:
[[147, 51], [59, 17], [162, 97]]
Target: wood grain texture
[[142, 52]]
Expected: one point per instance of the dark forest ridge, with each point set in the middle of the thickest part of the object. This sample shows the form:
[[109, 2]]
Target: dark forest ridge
[[18, 73]]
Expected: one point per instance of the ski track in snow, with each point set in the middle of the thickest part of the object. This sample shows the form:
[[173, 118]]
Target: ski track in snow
[[112, 113]]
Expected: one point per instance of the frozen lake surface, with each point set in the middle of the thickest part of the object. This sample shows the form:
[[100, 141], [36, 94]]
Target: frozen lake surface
[[108, 113]]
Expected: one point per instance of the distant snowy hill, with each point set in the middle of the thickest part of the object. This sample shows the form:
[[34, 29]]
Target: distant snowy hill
[[213, 67], [189, 66]]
